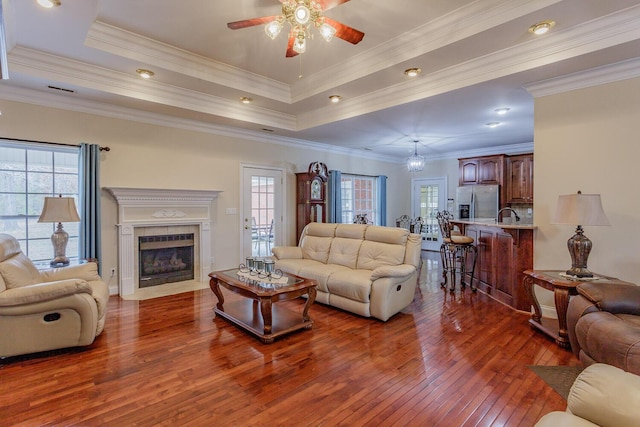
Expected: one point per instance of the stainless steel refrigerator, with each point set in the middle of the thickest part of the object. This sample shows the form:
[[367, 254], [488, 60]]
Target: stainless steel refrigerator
[[477, 202]]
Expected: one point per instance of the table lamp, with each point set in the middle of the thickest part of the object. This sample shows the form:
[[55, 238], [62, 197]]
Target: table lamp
[[580, 209], [59, 209]]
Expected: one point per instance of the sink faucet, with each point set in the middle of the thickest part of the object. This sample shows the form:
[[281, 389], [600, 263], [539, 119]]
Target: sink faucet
[[507, 209]]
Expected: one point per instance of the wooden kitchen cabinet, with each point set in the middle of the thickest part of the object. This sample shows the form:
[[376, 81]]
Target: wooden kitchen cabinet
[[519, 180], [486, 170], [468, 171], [504, 253]]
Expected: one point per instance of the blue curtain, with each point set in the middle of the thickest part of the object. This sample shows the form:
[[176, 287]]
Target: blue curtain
[[382, 199], [89, 192], [334, 197]]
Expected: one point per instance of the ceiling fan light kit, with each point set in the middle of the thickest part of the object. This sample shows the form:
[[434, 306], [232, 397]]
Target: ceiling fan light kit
[[327, 32], [273, 28], [300, 43], [301, 15]]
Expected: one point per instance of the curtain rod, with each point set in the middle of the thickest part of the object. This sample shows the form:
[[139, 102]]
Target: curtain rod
[[362, 174], [51, 143]]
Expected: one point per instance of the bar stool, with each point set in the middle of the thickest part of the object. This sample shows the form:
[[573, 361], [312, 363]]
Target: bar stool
[[403, 222], [454, 251]]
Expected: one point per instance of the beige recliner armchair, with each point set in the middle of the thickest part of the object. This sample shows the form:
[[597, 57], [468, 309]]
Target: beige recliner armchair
[[47, 310], [601, 396]]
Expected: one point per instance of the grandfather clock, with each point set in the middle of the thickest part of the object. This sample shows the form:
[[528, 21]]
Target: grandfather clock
[[311, 196]]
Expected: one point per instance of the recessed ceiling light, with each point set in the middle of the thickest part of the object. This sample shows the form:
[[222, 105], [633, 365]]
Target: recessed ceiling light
[[542, 27], [145, 74], [501, 111], [246, 100], [49, 3], [412, 72], [335, 98], [493, 124]]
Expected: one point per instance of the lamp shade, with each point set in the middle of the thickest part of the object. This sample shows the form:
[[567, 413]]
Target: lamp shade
[[580, 209], [59, 209]]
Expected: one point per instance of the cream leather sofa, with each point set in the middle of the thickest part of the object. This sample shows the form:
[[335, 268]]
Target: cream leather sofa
[[602, 395], [50, 309], [365, 269]]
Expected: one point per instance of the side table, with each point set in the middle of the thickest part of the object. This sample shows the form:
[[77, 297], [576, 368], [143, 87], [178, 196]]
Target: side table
[[44, 265], [563, 288]]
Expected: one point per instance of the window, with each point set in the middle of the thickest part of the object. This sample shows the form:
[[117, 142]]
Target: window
[[28, 173], [359, 196], [262, 213]]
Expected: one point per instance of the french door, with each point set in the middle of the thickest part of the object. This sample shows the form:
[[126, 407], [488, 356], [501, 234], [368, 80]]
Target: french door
[[262, 210], [429, 197]]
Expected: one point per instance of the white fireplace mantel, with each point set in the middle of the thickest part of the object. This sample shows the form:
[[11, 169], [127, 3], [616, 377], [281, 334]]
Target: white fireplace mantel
[[152, 208]]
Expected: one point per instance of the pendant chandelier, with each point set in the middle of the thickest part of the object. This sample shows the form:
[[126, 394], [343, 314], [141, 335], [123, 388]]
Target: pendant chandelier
[[415, 163]]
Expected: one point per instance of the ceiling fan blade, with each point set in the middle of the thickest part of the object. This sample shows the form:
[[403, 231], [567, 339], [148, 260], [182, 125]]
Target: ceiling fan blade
[[345, 32], [290, 52], [251, 22], [329, 4]]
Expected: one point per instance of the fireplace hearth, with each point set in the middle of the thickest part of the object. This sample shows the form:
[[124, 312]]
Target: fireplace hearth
[[146, 212], [165, 259]]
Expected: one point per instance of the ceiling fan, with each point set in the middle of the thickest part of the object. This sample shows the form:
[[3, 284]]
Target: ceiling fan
[[301, 14]]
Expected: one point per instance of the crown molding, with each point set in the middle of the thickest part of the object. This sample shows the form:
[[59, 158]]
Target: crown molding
[[51, 67], [66, 102], [468, 21], [595, 77], [117, 41], [612, 30], [512, 149]]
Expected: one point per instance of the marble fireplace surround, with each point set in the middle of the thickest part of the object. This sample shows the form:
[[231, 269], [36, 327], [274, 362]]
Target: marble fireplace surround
[[154, 211]]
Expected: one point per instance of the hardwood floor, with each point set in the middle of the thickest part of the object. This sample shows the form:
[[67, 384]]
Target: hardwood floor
[[446, 360]]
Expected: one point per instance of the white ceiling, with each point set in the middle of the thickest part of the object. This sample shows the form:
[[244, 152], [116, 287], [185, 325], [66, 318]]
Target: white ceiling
[[475, 56]]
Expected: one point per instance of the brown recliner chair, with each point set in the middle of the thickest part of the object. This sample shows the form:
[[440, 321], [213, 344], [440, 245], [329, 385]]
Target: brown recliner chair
[[604, 325], [50, 309]]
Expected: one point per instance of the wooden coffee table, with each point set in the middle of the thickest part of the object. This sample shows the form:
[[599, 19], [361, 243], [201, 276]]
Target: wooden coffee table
[[256, 311]]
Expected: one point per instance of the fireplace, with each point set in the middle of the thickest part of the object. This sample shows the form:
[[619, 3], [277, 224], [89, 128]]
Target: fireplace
[[146, 219], [165, 259]]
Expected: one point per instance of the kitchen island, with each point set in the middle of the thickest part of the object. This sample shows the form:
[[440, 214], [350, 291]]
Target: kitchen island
[[505, 251]]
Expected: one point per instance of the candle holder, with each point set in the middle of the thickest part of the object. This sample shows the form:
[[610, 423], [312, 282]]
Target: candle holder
[[269, 271], [264, 269], [247, 267]]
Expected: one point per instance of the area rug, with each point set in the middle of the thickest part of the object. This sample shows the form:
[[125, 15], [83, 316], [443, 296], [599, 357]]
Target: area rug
[[559, 378], [166, 289]]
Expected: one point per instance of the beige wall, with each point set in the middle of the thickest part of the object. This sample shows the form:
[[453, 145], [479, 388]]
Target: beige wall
[[589, 140], [145, 155], [445, 168]]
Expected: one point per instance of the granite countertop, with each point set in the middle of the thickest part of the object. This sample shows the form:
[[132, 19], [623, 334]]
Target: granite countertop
[[492, 223]]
